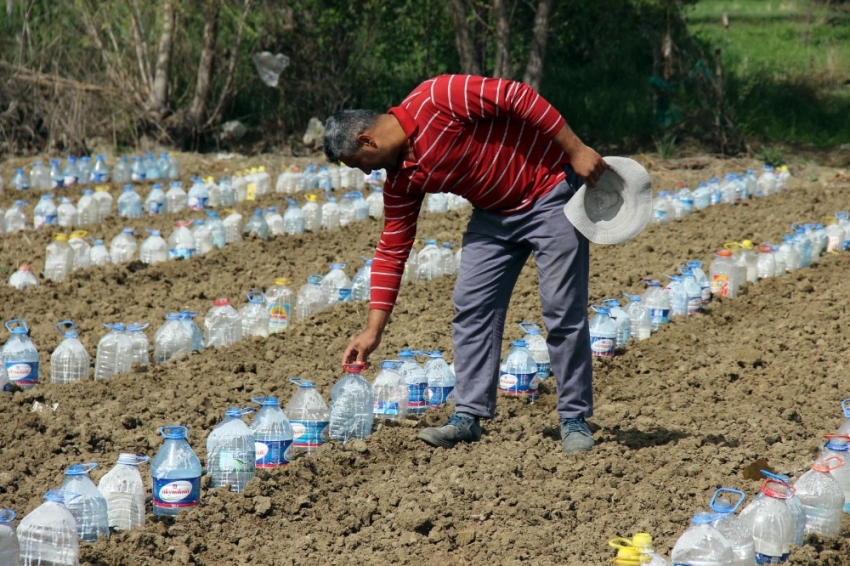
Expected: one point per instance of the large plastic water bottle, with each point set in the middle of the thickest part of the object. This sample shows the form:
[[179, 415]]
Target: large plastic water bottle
[[255, 317], [730, 526], [723, 274], [203, 237], [352, 405], [66, 214], [376, 203], [222, 325], [692, 290], [416, 380], [10, 551], [122, 171], [40, 177], [361, 285], [152, 170], [217, 229], [336, 284], [99, 254], [770, 522], [678, 298], [214, 191], [176, 198], [641, 322], [123, 247], [766, 183], [227, 192], [172, 340], [657, 302], [729, 189], [114, 353], [448, 261], [154, 249], [622, 321], [272, 434], [309, 416], [257, 227], [20, 180], [821, 497], [330, 214], [231, 452], [312, 214], [81, 249], [57, 180], [437, 202], [536, 345], [360, 206], [603, 333], [176, 473], [324, 179], [197, 336], [69, 361], [279, 299], [181, 243], [104, 202], [164, 165], [836, 445], [198, 194], [836, 236], [702, 545], [428, 261], [155, 201], [45, 212], [89, 510], [233, 227], [100, 171], [441, 381], [294, 221], [16, 218], [844, 429], [766, 263], [140, 342], [346, 210], [23, 278], [87, 210], [130, 203], [312, 297], [518, 372], [390, 392], [20, 355], [59, 261], [48, 535], [274, 220], [124, 492], [137, 170]]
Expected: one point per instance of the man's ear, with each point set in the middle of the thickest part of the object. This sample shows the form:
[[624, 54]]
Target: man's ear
[[366, 139]]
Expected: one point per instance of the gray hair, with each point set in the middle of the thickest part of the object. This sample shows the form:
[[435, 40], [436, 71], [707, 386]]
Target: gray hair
[[342, 129]]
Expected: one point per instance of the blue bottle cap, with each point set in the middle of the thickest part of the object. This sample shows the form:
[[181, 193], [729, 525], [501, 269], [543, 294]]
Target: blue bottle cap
[[80, 469], [302, 383], [266, 401], [174, 432]]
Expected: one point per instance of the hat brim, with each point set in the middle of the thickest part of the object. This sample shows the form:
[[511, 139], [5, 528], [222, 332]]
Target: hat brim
[[634, 213]]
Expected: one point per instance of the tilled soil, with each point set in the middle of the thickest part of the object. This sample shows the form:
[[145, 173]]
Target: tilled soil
[[676, 416]]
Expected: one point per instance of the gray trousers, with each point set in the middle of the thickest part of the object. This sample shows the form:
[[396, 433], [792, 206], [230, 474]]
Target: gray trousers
[[495, 248]]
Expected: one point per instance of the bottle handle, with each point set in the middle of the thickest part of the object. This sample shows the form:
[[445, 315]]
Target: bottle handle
[[741, 496], [7, 515], [72, 328], [845, 408], [620, 542], [137, 326], [316, 279], [20, 324], [631, 297], [247, 410], [190, 314], [358, 366], [825, 467], [166, 430], [291, 201], [526, 326], [64, 495], [256, 296], [775, 477], [142, 459], [88, 466]]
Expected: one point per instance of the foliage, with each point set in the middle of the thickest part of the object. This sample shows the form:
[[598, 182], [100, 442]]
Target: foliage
[[771, 155]]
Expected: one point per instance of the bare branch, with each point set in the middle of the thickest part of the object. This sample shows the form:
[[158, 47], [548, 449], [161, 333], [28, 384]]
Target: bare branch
[[231, 67]]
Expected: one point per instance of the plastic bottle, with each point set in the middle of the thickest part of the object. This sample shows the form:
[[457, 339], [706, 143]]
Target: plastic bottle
[[164, 165], [376, 203], [352, 405], [214, 192], [89, 510], [181, 243], [231, 452], [255, 316], [122, 171], [536, 345], [441, 381], [448, 263], [770, 522], [312, 297], [675, 290], [154, 249], [324, 179], [139, 339], [198, 194], [518, 372], [172, 340], [48, 535], [702, 545], [822, 498], [693, 291], [272, 434], [844, 429], [309, 416], [428, 261], [233, 227], [803, 245], [66, 214], [217, 229], [100, 171], [749, 259], [124, 492], [788, 253], [20, 180], [416, 380], [714, 191], [81, 250], [70, 361], [766, 263], [346, 210], [361, 285], [40, 177], [336, 284], [294, 221], [87, 211], [729, 189], [155, 201], [641, 322], [701, 196], [227, 196], [176, 198], [603, 333], [636, 551], [835, 238], [766, 183], [274, 220], [59, 261], [10, 551], [99, 254], [130, 203], [222, 325], [360, 206], [114, 353], [138, 171], [176, 473], [16, 219], [23, 278], [390, 392], [279, 299], [44, 213], [730, 526], [84, 168], [836, 445], [330, 214], [257, 227], [20, 355], [622, 321], [203, 237], [104, 202], [197, 336], [122, 248], [57, 180], [648, 556], [437, 202], [723, 274], [843, 218]]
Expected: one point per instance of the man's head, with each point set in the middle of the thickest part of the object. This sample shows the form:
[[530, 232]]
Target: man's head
[[355, 138]]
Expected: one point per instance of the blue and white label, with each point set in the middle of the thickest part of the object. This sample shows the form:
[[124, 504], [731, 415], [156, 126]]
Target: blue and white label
[[136, 177], [438, 396], [705, 294], [22, 374], [519, 384], [659, 316], [602, 346], [388, 408], [236, 461], [417, 401], [98, 177], [271, 453], [543, 371], [176, 493], [57, 182], [197, 203], [695, 305], [715, 198], [155, 207], [182, 252], [344, 294], [309, 435], [765, 559]]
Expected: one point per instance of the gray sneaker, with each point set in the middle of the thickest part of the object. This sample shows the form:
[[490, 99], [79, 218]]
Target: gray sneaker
[[576, 436], [456, 429]]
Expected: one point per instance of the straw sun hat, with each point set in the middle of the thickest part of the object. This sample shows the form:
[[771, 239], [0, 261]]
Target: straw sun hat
[[618, 208]]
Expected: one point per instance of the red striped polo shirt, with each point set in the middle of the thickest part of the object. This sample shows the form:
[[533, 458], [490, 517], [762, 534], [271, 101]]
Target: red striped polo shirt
[[488, 140]]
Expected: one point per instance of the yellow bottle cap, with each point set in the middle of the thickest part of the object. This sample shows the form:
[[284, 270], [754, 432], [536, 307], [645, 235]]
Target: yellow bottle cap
[[627, 556], [208, 180], [59, 237], [311, 198], [101, 188], [282, 281], [641, 540], [261, 168], [747, 244], [76, 234], [733, 247]]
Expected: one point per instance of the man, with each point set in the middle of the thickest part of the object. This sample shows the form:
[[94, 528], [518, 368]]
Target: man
[[509, 152]]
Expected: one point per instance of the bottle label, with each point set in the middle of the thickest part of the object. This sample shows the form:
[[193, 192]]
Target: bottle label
[[70, 180], [137, 177], [766, 559], [251, 192], [543, 370], [176, 494], [57, 182], [344, 294], [182, 252], [519, 384], [715, 198], [601, 346], [389, 408], [627, 335], [271, 453], [309, 434], [720, 285], [154, 207], [832, 244], [98, 177], [278, 318], [659, 316], [197, 203], [23, 374], [417, 398], [236, 461], [695, 305], [705, 293], [439, 395]]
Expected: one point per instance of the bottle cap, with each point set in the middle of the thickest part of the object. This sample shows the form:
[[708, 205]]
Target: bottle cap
[[724, 253], [174, 432], [355, 367], [77, 234], [80, 469], [222, 302], [282, 281], [311, 198], [302, 383], [519, 344], [60, 237], [627, 556], [132, 459], [641, 540], [266, 401], [7, 515], [747, 244]]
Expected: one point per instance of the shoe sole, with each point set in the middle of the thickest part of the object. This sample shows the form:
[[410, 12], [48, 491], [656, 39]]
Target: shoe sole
[[434, 440], [577, 449]]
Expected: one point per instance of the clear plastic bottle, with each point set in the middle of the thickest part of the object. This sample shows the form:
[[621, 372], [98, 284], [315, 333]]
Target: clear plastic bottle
[[87, 210], [693, 291], [836, 445], [57, 180], [518, 372], [40, 177], [844, 429], [155, 201], [309, 416], [66, 214], [312, 214], [20, 180], [217, 229], [59, 261], [99, 253], [285, 183], [274, 220], [255, 317], [352, 405], [770, 522], [198, 194], [346, 210], [730, 526], [222, 325], [89, 510], [622, 321], [603, 333], [312, 298], [441, 381], [821, 497], [361, 285], [130, 203], [641, 322], [176, 199], [104, 202], [416, 380], [749, 259], [448, 262], [48, 535], [214, 192], [336, 284], [124, 492], [360, 206], [123, 247], [20, 355], [122, 172], [114, 353], [646, 552], [537, 347], [141, 344], [279, 299], [330, 214], [233, 228], [294, 221], [730, 189], [138, 171], [23, 278], [231, 452], [10, 551], [81, 249], [376, 203], [45, 212], [181, 242], [257, 227], [203, 237], [428, 261], [766, 263], [84, 168], [437, 202], [723, 274], [702, 545], [227, 196], [766, 183], [70, 361], [172, 340], [678, 299], [272, 434], [154, 249], [835, 238], [176, 473], [197, 336], [16, 218], [390, 392], [702, 196], [100, 171]]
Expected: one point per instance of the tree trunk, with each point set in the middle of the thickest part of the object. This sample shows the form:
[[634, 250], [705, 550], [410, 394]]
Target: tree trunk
[[463, 38], [502, 65], [202, 86], [231, 66], [158, 100], [534, 70]]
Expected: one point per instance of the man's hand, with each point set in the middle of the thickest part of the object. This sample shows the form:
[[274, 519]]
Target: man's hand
[[585, 161], [366, 342]]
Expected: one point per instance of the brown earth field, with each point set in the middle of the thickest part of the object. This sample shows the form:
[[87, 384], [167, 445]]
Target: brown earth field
[[676, 416]]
